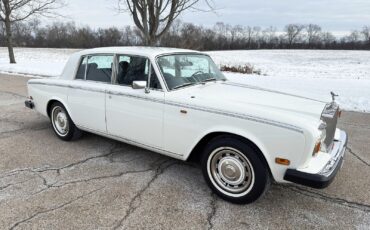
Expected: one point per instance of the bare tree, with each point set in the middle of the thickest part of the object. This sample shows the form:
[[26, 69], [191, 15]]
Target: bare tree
[[354, 37], [293, 33], [13, 11], [327, 38], [251, 34], [269, 36], [313, 34], [366, 32], [155, 17]]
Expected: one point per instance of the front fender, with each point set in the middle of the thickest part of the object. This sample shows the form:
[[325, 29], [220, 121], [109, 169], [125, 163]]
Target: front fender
[[276, 142]]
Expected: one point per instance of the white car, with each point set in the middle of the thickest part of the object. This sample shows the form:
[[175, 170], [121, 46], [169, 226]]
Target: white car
[[176, 102]]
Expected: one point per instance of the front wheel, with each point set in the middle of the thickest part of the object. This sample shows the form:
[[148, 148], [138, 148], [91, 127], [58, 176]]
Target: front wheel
[[234, 170], [63, 125]]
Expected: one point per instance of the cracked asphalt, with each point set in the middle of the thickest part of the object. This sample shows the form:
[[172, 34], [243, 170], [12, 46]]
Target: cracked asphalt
[[97, 183]]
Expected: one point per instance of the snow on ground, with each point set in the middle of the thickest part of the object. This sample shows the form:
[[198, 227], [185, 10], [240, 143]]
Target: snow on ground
[[311, 73], [35, 61], [332, 64]]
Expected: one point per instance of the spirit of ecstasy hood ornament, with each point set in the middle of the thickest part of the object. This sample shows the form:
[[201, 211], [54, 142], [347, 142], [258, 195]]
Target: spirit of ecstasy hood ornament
[[333, 95]]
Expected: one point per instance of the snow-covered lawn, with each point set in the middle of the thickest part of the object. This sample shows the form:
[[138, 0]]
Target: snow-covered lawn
[[311, 73], [35, 61]]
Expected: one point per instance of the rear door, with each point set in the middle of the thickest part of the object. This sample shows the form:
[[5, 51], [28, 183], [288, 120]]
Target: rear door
[[86, 96]]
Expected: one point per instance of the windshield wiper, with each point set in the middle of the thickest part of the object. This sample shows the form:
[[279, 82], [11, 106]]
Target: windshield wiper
[[210, 79], [183, 85]]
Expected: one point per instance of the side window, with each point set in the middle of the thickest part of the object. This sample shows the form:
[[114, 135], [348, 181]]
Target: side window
[[99, 68], [132, 68], [154, 82], [81, 69]]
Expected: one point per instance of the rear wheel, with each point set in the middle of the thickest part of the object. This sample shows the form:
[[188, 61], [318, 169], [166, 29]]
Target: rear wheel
[[63, 125], [234, 170]]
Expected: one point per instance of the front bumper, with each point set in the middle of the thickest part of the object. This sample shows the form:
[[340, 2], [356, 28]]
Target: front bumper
[[326, 175]]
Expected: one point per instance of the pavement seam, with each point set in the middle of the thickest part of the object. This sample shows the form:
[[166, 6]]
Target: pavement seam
[[20, 131], [213, 211], [336, 200], [357, 156], [45, 169], [13, 184], [53, 209], [12, 93], [48, 186], [158, 171]]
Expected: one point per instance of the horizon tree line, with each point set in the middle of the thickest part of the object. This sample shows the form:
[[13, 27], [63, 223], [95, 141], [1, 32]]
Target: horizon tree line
[[180, 34]]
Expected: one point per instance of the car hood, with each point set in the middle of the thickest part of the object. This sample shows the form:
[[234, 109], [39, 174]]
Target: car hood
[[240, 98]]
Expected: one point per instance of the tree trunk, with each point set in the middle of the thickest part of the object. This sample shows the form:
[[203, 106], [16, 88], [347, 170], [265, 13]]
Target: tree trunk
[[150, 41], [9, 40]]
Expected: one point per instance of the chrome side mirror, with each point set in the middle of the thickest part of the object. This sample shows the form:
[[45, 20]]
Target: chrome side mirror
[[138, 84]]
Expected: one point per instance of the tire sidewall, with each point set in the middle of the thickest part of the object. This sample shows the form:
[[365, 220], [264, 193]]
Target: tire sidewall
[[261, 173], [71, 125]]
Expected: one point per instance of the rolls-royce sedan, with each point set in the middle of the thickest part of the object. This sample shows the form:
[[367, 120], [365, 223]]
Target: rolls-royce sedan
[[177, 102]]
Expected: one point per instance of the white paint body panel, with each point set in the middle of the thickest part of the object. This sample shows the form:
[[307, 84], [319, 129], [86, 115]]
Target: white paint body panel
[[135, 119], [86, 101], [280, 125]]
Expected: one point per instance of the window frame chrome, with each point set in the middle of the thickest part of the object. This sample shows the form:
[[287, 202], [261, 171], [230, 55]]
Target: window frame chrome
[[87, 62], [148, 88]]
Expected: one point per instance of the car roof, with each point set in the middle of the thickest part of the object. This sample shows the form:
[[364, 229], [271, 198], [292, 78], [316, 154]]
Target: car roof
[[136, 50]]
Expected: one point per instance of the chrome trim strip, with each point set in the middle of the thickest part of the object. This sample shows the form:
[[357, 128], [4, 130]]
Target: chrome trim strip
[[198, 108], [129, 141], [92, 89], [238, 115]]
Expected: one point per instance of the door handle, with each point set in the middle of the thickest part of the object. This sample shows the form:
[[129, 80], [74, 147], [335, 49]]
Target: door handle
[[110, 96]]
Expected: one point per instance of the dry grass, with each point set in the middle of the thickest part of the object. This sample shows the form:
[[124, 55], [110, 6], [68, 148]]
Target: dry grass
[[244, 69]]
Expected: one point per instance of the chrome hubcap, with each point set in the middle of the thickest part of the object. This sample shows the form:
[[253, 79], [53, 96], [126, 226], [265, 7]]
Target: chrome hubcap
[[60, 121], [231, 171]]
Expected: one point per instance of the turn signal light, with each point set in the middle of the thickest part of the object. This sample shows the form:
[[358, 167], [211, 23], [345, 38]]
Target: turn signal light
[[282, 161], [317, 148]]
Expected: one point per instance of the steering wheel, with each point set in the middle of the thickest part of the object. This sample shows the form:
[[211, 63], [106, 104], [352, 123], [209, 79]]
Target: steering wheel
[[196, 73]]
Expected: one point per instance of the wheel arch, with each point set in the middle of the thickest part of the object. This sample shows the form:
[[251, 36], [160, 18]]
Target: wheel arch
[[195, 154], [51, 101]]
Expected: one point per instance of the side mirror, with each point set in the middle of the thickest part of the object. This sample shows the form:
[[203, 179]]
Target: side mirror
[[138, 84]]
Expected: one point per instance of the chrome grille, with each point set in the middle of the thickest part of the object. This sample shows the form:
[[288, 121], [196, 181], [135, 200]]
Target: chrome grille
[[330, 117]]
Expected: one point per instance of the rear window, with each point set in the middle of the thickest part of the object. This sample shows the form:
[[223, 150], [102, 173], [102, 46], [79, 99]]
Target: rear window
[[96, 68]]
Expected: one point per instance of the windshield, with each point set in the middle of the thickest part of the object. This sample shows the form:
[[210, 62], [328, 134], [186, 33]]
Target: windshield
[[180, 70]]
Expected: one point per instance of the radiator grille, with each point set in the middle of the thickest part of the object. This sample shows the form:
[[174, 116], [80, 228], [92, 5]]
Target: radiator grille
[[330, 117]]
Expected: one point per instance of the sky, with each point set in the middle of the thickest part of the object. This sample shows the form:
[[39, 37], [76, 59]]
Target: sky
[[331, 15]]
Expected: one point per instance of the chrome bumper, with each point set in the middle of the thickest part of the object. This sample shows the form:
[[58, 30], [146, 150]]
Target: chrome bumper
[[328, 172]]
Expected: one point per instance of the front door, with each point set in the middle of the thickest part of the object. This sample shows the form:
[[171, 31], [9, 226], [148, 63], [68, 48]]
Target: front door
[[135, 115]]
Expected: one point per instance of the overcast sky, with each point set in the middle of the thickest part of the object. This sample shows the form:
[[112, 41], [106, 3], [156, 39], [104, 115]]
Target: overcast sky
[[332, 15]]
